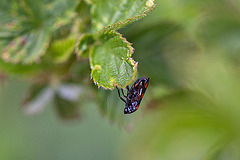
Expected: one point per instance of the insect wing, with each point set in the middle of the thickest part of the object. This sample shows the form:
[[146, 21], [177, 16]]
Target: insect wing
[[140, 86], [136, 94]]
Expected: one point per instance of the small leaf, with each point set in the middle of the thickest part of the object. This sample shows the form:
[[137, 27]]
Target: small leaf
[[36, 99], [111, 61], [112, 15], [83, 45], [61, 50]]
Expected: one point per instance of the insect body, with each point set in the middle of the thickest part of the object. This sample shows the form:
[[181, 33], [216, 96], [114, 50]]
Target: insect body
[[134, 95]]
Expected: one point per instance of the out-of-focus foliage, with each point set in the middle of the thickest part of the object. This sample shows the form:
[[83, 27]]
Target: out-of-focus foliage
[[200, 122], [26, 27], [192, 48], [45, 136]]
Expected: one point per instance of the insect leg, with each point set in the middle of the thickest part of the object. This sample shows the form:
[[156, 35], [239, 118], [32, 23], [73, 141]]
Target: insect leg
[[123, 93], [120, 95], [127, 88]]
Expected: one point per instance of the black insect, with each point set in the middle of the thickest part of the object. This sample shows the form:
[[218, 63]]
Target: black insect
[[134, 95]]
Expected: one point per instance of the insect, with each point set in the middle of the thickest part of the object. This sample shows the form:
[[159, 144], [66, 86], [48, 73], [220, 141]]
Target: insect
[[134, 95]]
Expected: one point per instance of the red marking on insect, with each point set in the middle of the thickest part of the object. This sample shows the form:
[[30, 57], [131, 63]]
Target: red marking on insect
[[142, 95], [134, 95], [146, 85]]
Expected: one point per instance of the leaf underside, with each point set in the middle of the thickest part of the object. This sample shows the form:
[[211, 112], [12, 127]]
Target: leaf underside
[[111, 62]]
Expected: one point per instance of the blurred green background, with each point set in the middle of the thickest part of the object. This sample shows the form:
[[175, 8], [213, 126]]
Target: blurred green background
[[45, 136], [190, 50]]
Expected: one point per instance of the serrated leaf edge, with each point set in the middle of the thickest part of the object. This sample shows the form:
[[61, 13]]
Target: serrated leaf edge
[[132, 62], [149, 7]]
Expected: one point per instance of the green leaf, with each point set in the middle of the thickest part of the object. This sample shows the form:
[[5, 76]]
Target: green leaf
[[27, 48], [61, 50], [83, 45], [20, 69], [26, 27], [111, 61], [83, 10], [112, 15]]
